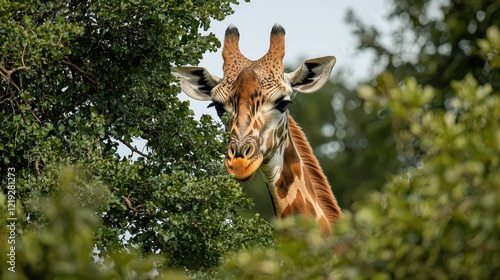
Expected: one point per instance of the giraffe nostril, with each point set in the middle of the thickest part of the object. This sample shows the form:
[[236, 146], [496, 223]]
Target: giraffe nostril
[[248, 150], [231, 151]]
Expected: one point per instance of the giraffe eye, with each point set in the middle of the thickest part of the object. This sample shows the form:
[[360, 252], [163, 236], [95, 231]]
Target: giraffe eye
[[282, 105], [219, 108]]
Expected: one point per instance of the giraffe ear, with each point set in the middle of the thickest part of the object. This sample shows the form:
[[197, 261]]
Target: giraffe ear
[[196, 82], [311, 75]]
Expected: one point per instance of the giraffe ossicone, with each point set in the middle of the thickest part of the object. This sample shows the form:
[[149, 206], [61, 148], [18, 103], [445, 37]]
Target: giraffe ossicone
[[264, 136]]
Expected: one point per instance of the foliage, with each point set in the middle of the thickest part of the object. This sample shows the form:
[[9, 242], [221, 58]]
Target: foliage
[[435, 220], [62, 248], [438, 219], [300, 253], [433, 41], [79, 77]]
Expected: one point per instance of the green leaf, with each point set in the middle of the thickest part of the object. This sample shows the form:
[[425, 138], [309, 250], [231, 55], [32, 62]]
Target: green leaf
[[493, 35]]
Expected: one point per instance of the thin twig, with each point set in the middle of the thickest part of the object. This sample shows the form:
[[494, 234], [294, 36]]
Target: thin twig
[[22, 56], [85, 74], [12, 71], [134, 149], [10, 98], [36, 117], [24, 65], [79, 70], [129, 204], [6, 75], [37, 166]]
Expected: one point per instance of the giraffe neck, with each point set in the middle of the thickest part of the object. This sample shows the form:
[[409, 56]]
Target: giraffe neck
[[296, 182]]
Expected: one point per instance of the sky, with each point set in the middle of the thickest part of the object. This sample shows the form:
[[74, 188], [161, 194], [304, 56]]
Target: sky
[[314, 28]]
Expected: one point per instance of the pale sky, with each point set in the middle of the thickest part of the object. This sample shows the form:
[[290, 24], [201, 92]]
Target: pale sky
[[313, 28]]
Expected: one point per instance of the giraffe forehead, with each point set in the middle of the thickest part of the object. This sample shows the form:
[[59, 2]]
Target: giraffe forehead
[[248, 98], [253, 85]]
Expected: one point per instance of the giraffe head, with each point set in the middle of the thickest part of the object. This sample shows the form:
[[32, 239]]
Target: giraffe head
[[255, 95]]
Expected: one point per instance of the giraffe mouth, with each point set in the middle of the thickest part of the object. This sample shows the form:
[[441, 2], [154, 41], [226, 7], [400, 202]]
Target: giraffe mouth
[[242, 168]]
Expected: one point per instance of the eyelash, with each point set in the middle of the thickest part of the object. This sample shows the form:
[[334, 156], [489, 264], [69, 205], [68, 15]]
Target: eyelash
[[219, 108], [282, 105]]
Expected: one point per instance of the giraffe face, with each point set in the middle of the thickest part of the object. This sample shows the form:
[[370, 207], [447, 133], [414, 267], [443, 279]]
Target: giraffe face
[[254, 96], [257, 112]]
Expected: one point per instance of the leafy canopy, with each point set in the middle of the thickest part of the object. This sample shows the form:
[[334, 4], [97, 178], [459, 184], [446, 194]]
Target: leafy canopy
[[79, 77]]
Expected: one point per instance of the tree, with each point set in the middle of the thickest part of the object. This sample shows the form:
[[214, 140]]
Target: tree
[[426, 42], [63, 248], [79, 77], [433, 41]]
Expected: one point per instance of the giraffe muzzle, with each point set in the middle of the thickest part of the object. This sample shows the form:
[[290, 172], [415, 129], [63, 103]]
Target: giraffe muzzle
[[243, 159]]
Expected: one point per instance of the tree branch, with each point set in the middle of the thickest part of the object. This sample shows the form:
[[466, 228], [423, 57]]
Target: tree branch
[[12, 71], [134, 149], [7, 73], [85, 74], [32, 113], [129, 204]]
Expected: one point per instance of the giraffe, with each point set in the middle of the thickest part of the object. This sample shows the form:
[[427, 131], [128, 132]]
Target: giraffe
[[255, 95]]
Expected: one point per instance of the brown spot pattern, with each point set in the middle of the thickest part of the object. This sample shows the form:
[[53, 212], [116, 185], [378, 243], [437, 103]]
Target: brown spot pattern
[[291, 170]]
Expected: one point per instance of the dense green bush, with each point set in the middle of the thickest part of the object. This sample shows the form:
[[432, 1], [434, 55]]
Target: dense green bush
[[63, 248], [438, 219], [80, 77]]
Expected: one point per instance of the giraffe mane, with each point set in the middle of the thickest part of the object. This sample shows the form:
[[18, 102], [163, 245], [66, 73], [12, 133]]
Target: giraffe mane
[[320, 184]]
